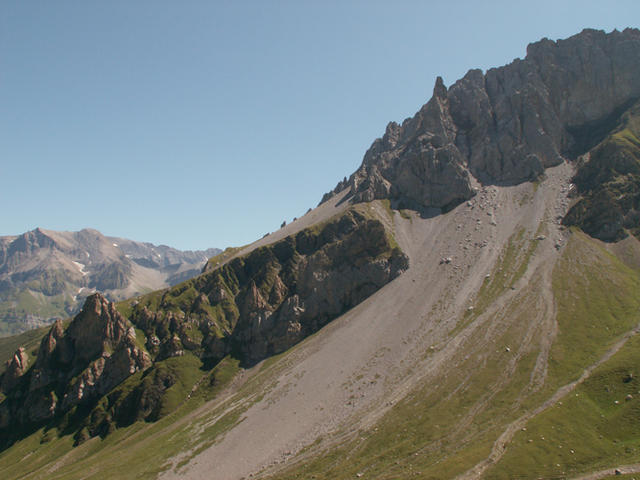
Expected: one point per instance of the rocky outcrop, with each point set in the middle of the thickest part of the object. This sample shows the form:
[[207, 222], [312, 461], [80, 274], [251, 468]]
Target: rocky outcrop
[[416, 163], [506, 126], [14, 369], [76, 365], [608, 180], [312, 280], [277, 295]]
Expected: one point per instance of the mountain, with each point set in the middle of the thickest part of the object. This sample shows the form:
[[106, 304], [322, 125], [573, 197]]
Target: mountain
[[46, 274], [508, 125], [465, 305]]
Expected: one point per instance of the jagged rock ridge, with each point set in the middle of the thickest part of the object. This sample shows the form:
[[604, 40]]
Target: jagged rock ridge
[[75, 365], [503, 127]]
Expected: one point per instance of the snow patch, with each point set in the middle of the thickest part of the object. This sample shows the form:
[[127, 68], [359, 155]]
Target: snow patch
[[81, 267], [114, 244], [74, 298]]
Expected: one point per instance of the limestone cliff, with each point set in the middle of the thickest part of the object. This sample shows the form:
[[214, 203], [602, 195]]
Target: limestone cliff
[[269, 300], [505, 126]]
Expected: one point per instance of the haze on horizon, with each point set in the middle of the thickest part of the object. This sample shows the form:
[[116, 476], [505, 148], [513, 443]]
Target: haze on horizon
[[205, 124]]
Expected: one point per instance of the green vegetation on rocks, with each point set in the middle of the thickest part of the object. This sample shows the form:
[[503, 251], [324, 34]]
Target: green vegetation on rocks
[[142, 359], [609, 181], [262, 303]]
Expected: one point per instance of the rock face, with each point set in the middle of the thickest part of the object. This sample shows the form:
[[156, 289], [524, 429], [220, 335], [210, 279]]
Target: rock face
[[310, 281], [46, 274], [506, 126], [418, 162], [266, 302], [608, 178], [96, 352], [15, 368]]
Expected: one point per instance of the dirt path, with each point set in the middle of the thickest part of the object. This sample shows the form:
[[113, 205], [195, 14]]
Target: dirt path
[[500, 445], [624, 469]]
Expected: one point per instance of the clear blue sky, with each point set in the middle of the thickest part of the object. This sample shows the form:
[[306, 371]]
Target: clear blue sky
[[205, 124]]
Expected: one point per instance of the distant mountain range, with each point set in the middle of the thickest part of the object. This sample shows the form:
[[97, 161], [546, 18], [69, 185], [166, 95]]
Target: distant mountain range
[[46, 274]]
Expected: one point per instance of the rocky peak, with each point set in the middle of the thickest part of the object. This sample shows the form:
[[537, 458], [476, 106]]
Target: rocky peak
[[417, 163], [439, 89], [53, 346], [15, 368], [97, 331], [97, 328], [589, 74], [96, 352], [29, 242], [505, 126]]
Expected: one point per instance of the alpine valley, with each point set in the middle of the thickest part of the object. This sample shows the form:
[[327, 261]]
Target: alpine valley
[[465, 305]]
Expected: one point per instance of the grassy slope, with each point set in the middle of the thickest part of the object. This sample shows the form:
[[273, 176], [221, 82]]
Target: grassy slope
[[138, 451], [588, 431], [26, 302], [597, 297], [443, 428]]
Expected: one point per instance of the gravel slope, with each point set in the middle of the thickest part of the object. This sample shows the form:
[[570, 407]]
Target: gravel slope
[[349, 374]]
